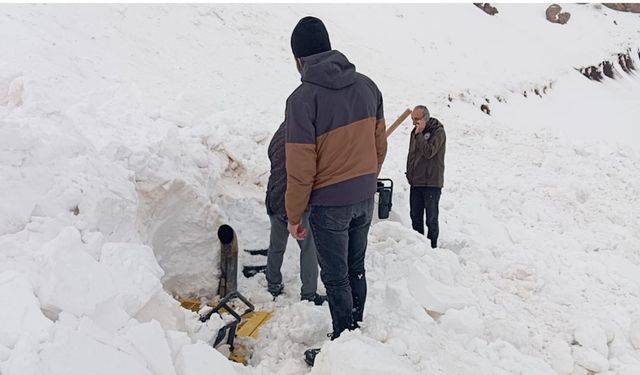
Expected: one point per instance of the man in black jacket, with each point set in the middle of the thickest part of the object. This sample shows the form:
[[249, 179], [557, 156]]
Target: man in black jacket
[[276, 188], [425, 171]]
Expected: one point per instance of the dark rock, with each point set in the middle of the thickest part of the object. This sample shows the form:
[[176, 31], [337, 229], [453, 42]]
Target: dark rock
[[554, 14], [487, 8], [624, 7]]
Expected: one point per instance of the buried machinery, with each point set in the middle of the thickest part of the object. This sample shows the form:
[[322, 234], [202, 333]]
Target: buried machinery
[[237, 311], [239, 314]]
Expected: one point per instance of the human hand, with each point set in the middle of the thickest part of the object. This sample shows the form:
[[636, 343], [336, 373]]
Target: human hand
[[420, 125], [297, 231]]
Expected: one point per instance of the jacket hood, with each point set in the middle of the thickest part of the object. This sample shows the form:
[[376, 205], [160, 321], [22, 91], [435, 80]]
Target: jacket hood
[[329, 69]]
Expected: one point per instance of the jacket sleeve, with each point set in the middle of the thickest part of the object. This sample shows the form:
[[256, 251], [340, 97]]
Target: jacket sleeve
[[301, 156], [430, 147], [409, 160], [381, 133]]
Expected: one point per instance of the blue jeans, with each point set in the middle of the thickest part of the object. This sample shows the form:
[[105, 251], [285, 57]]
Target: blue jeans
[[340, 234]]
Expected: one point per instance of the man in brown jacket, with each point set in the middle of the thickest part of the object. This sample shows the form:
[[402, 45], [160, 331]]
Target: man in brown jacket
[[425, 171], [336, 144]]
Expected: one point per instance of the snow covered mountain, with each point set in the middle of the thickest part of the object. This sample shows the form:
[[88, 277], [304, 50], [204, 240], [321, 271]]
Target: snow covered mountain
[[129, 133]]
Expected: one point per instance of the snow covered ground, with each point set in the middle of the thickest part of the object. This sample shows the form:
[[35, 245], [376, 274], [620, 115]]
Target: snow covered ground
[[129, 133]]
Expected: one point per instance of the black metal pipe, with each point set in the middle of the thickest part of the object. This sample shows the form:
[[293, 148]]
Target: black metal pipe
[[228, 260], [225, 234]]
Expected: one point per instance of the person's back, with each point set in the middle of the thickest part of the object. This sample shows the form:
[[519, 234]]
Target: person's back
[[336, 144], [339, 112]]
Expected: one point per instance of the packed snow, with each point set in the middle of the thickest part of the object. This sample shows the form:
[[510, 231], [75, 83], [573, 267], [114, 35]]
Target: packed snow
[[129, 133]]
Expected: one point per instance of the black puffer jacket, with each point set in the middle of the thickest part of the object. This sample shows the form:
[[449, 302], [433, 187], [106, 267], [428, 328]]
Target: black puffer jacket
[[277, 184]]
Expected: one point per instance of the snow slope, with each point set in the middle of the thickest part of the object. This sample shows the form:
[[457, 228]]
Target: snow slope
[[129, 133]]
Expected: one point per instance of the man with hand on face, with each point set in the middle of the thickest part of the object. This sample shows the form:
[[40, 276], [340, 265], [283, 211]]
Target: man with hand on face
[[425, 171]]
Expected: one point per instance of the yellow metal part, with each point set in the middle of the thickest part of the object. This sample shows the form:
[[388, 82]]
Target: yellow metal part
[[252, 322], [248, 327], [190, 304], [195, 304]]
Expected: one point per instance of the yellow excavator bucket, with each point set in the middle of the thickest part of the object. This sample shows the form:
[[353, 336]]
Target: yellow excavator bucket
[[249, 326], [252, 322]]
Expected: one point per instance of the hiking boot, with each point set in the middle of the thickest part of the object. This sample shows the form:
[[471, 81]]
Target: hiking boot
[[310, 356], [275, 290], [317, 299]]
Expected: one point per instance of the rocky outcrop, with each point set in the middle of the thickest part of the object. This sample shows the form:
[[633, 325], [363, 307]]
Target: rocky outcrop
[[611, 69], [555, 14], [487, 8], [624, 7]]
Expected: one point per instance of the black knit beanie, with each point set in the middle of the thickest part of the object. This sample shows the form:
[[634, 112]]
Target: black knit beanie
[[309, 37]]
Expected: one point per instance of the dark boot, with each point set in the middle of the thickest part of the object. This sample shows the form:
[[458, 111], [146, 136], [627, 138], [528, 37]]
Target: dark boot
[[275, 290], [317, 299], [310, 356]]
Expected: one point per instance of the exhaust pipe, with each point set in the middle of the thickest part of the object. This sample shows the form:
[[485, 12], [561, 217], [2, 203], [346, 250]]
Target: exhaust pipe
[[228, 261]]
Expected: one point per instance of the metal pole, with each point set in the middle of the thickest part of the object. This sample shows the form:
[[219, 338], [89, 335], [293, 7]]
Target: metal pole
[[228, 261]]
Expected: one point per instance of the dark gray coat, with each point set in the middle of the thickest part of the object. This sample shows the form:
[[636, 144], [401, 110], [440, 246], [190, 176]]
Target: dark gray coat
[[425, 162], [277, 185]]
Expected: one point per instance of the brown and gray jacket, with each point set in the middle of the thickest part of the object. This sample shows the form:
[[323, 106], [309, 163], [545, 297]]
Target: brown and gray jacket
[[336, 140], [425, 162]]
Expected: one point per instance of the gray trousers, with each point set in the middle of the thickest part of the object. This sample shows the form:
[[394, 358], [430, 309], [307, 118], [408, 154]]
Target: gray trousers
[[308, 258]]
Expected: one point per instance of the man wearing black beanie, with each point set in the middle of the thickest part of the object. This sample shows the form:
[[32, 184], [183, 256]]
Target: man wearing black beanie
[[336, 144], [309, 37]]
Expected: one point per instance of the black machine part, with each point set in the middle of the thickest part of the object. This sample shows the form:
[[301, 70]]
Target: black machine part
[[229, 329], [385, 191]]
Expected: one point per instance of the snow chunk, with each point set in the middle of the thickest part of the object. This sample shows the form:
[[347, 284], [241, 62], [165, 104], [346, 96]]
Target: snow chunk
[[434, 295], [355, 354], [590, 359], [634, 333], [560, 357], [71, 279], [21, 314], [465, 321], [591, 335], [149, 340], [200, 358], [74, 351], [135, 272]]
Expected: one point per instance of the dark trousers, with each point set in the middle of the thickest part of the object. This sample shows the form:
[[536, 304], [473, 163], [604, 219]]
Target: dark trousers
[[340, 234], [425, 199]]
